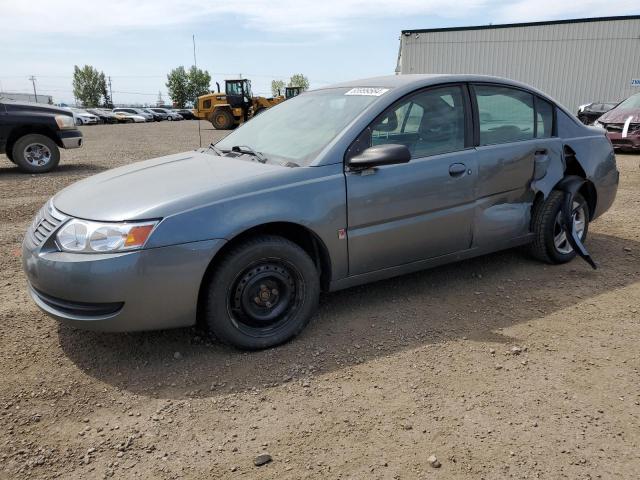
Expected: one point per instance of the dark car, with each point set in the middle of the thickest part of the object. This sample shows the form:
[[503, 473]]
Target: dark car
[[340, 186], [157, 116], [623, 124], [186, 113], [32, 133], [589, 113], [104, 115]]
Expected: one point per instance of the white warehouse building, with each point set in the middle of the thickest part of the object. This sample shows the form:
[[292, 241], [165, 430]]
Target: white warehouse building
[[575, 61]]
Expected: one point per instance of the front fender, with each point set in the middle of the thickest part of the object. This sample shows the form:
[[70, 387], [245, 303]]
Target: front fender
[[316, 202]]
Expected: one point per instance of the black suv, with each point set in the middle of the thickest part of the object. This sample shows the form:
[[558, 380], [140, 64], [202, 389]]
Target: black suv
[[30, 134]]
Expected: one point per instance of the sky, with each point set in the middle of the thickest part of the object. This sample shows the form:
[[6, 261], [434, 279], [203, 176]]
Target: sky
[[137, 42]]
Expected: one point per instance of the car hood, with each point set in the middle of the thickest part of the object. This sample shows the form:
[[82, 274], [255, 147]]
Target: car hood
[[620, 115], [13, 106], [161, 187]]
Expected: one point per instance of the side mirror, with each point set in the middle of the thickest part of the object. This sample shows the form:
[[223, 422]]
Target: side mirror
[[389, 154]]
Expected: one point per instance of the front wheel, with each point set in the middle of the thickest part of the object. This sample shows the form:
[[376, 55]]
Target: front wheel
[[263, 293], [222, 119], [35, 153], [550, 242]]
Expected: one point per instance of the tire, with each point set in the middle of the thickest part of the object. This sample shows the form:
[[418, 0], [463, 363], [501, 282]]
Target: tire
[[35, 153], [546, 216], [253, 274], [222, 119], [129, 120], [170, 119]]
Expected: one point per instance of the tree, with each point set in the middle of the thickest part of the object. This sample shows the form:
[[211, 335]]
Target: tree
[[87, 85], [185, 87], [199, 81], [277, 86], [178, 86], [299, 80], [106, 98]]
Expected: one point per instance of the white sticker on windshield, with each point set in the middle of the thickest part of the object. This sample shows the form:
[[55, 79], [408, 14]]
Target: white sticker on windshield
[[367, 91]]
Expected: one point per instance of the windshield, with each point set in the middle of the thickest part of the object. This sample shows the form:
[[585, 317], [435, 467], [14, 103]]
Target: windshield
[[632, 102], [298, 129]]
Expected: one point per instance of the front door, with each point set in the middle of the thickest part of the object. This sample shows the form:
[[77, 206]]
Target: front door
[[398, 214]]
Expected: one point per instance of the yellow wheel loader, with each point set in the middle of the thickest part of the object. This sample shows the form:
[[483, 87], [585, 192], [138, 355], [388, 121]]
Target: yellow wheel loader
[[233, 107]]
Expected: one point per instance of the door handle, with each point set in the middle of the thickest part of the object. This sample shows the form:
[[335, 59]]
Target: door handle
[[542, 151], [457, 169]]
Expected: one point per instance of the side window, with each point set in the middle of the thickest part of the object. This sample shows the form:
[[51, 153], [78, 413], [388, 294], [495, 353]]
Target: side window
[[544, 119], [505, 114], [206, 103], [428, 123]]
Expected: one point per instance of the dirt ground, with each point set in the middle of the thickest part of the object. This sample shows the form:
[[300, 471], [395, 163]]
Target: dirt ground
[[501, 367]]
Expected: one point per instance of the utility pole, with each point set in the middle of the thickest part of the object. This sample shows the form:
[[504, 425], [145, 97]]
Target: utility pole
[[33, 81], [110, 92], [193, 38]]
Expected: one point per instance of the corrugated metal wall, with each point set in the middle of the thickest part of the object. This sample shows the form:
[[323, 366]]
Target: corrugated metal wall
[[575, 63]]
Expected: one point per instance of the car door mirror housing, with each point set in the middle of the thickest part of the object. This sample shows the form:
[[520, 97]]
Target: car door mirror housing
[[388, 154]]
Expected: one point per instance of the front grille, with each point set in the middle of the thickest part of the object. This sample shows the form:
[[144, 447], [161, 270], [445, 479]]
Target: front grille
[[619, 127], [46, 221]]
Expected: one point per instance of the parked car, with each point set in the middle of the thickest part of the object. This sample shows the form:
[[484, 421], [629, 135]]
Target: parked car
[[135, 111], [386, 176], [590, 112], [622, 124], [186, 114], [82, 117], [104, 116], [171, 116], [32, 133], [126, 117], [158, 117]]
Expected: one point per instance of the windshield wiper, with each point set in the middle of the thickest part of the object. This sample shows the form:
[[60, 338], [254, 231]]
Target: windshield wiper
[[216, 150], [249, 151]]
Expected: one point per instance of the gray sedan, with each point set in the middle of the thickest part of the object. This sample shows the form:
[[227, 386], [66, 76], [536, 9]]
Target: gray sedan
[[336, 187]]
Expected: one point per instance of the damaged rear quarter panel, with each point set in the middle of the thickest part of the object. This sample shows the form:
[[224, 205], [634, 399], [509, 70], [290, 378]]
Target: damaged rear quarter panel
[[593, 152]]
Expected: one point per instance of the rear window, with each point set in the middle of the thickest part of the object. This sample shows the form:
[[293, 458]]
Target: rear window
[[506, 114]]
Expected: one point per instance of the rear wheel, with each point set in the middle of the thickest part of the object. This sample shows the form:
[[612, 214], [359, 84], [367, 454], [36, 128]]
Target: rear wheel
[[35, 153], [262, 293], [550, 243], [222, 119]]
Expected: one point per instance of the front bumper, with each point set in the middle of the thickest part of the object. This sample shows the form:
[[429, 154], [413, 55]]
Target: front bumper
[[630, 142], [140, 290], [70, 138]]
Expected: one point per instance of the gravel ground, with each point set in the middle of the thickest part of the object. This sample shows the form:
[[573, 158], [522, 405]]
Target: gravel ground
[[501, 367]]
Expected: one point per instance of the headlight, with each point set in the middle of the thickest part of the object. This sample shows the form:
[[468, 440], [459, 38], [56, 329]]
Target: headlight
[[65, 122], [87, 237]]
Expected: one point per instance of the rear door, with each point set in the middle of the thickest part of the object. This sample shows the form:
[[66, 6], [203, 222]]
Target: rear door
[[515, 137], [399, 214]]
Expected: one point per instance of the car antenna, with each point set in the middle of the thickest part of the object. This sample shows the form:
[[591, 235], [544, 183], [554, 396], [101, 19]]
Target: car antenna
[[195, 64]]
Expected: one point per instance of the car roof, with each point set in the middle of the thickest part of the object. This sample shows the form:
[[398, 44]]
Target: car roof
[[415, 79]]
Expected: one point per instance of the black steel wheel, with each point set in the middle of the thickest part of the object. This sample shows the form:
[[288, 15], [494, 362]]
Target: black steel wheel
[[262, 293]]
